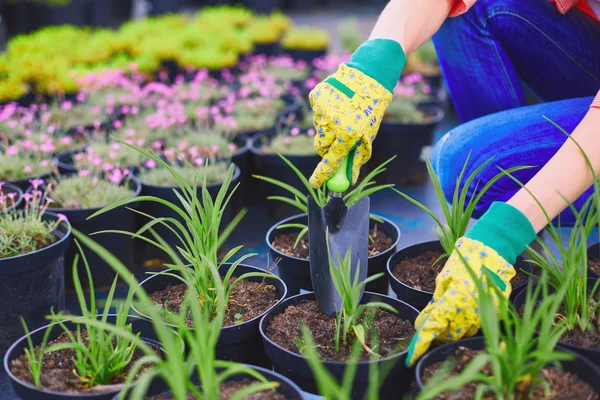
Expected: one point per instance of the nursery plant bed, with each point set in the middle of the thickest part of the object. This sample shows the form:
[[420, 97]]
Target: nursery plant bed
[[32, 284], [122, 218], [578, 379], [6, 189], [294, 267], [280, 329], [406, 141], [149, 252], [287, 390], [239, 341], [58, 380], [412, 274], [586, 344], [271, 165]]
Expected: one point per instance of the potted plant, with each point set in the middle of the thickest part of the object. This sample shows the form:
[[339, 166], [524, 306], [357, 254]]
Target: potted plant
[[305, 43], [10, 197], [287, 239], [73, 357], [409, 126], [380, 324], [414, 268], [78, 196], [287, 69], [100, 157], [249, 116], [297, 146], [181, 371], [250, 291], [32, 251], [76, 118], [518, 358]]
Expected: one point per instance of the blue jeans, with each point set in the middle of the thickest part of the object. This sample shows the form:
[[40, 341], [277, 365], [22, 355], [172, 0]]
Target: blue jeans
[[485, 54]]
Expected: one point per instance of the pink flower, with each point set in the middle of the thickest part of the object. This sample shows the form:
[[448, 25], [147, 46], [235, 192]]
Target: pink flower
[[66, 140], [27, 144], [12, 150], [66, 105], [130, 132], [231, 147], [310, 132], [107, 166], [84, 172], [199, 161], [78, 156], [28, 169], [62, 217], [116, 176], [214, 148], [115, 146], [286, 140], [295, 131], [36, 182], [150, 164], [28, 197], [117, 124], [112, 155], [96, 124]]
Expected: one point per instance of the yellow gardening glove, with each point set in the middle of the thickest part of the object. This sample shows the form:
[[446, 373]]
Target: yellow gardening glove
[[349, 106], [452, 312]]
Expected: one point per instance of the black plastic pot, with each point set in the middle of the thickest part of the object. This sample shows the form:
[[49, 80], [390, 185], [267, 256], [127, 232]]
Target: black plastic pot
[[295, 366], [272, 166], [593, 254], [304, 55], [73, 13], [32, 284], [10, 188], [120, 246], [580, 366], [108, 13], [420, 298], [589, 353], [268, 49], [21, 16], [286, 387], [24, 183], [406, 141], [262, 6], [158, 210], [239, 343], [296, 271], [26, 391]]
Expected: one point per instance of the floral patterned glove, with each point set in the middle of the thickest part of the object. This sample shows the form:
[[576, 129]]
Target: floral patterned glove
[[452, 312], [349, 106]]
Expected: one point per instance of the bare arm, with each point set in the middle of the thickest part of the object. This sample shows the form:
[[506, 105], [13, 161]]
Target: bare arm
[[411, 22], [567, 174]]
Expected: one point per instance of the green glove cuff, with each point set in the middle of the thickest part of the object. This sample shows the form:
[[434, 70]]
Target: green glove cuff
[[504, 229], [381, 59]]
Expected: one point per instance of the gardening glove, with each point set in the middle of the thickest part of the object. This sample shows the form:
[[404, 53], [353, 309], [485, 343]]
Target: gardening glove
[[494, 243], [349, 106]]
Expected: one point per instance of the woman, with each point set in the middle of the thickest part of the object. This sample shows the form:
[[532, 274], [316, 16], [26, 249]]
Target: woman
[[485, 50]]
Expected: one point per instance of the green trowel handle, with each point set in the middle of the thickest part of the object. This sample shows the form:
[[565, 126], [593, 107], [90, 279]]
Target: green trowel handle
[[339, 182]]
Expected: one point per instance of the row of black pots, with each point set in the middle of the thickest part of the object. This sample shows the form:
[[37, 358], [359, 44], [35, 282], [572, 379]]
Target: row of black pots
[[583, 368], [8, 188], [296, 271], [420, 298], [32, 284]]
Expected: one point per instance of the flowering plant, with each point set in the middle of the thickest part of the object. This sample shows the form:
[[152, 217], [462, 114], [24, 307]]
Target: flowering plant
[[25, 231]]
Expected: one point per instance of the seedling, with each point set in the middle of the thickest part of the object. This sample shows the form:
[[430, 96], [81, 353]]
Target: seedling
[[199, 233], [350, 290], [464, 201], [35, 358]]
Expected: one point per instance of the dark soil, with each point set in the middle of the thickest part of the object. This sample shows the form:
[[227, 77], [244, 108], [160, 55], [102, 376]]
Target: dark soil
[[563, 385], [58, 370], [247, 300], [228, 389], [420, 273], [285, 244], [594, 266], [576, 337], [284, 329]]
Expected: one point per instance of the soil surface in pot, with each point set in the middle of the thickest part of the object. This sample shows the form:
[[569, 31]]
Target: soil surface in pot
[[247, 300], [58, 369], [285, 244], [284, 329], [420, 273], [595, 265], [563, 385], [228, 389]]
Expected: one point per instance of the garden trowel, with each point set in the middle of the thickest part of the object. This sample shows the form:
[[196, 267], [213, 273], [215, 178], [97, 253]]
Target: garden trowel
[[345, 228]]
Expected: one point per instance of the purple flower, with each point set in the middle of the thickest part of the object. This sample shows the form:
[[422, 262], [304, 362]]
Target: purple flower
[[62, 217]]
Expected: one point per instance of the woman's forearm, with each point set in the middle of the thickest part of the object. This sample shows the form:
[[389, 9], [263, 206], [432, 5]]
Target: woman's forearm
[[411, 22], [566, 176]]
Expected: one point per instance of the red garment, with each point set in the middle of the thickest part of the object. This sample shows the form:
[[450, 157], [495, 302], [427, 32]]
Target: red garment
[[462, 6]]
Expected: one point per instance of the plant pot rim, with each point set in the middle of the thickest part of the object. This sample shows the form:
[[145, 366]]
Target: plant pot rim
[[28, 178], [13, 188], [572, 347], [52, 392], [58, 243], [311, 296], [288, 219], [137, 191], [236, 175], [466, 341], [437, 111], [223, 328], [392, 276]]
